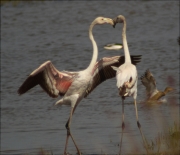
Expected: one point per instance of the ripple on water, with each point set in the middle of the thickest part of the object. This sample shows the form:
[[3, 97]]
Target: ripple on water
[[33, 33]]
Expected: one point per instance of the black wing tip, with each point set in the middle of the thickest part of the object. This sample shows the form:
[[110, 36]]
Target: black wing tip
[[136, 56], [20, 92], [136, 59]]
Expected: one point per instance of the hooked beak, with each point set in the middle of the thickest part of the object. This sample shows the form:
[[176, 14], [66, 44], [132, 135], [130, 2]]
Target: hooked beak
[[114, 22], [118, 19], [110, 21]]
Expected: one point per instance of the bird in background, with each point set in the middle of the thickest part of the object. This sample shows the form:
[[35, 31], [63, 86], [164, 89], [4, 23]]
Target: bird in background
[[113, 46], [152, 93], [127, 77], [74, 86]]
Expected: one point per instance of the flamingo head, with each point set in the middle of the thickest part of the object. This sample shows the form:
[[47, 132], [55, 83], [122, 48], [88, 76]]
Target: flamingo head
[[118, 19], [103, 20]]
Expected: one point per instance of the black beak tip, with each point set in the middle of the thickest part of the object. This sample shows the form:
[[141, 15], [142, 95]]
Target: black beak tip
[[114, 25], [114, 21]]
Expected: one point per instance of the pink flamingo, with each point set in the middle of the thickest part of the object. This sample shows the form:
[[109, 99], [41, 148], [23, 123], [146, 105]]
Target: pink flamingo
[[74, 86]]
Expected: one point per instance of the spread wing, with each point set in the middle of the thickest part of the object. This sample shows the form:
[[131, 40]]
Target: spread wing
[[104, 71], [50, 79], [149, 82]]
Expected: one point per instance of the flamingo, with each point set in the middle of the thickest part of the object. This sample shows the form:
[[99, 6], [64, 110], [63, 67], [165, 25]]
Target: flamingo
[[153, 94], [74, 86], [127, 77]]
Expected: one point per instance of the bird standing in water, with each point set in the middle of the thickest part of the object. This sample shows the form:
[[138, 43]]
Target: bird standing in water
[[153, 94], [127, 77], [74, 86]]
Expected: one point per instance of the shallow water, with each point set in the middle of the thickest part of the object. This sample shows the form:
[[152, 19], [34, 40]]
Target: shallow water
[[32, 33]]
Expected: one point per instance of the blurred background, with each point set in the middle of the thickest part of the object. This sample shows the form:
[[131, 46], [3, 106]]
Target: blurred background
[[34, 32]]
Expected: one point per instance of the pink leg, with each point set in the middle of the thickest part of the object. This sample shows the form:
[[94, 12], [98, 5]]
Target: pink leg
[[123, 124], [69, 134]]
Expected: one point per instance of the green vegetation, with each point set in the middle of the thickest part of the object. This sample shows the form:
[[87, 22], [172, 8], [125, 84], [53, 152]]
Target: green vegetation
[[167, 142]]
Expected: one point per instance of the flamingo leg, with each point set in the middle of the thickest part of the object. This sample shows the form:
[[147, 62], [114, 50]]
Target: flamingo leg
[[67, 137], [139, 126], [69, 134], [123, 124]]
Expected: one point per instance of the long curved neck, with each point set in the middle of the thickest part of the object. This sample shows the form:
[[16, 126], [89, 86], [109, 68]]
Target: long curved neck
[[126, 50], [95, 49]]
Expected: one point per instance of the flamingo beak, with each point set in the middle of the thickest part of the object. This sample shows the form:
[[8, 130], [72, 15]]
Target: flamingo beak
[[110, 21], [117, 20], [114, 22]]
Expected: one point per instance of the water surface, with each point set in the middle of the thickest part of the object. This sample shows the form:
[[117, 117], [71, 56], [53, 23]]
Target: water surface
[[32, 33]]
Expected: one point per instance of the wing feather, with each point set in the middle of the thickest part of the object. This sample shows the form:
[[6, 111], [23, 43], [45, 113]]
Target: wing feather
[[55, 83], [149, 82], [104, 71]]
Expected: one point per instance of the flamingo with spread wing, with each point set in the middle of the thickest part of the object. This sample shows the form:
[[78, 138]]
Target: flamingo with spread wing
[[74, 86]]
